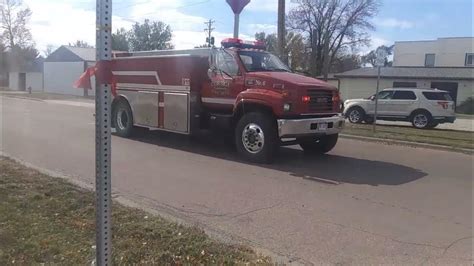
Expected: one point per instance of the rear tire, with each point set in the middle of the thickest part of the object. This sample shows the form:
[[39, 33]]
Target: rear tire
[[256, 137], [355, 115], [421, 119], [123, 120], [320, 145]]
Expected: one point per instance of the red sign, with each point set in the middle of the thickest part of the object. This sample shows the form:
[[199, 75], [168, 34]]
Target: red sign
[[237, 5]]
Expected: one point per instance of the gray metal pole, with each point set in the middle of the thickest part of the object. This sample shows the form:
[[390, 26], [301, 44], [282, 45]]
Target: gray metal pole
[[376, 99], [236, 25], [102, 137]]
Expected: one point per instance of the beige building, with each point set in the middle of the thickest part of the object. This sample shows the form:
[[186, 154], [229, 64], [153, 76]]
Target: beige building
[[443, 52], [445, 63]]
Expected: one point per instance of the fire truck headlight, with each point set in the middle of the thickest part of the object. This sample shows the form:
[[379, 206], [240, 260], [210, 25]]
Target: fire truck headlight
[[286, 107]]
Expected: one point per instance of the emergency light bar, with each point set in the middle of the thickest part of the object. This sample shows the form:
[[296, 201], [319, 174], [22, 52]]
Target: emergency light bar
[[238, 43]]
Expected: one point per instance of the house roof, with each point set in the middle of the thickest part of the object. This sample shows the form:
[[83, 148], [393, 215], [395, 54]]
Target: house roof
[[36, 65], [446, 73], [72, 54]]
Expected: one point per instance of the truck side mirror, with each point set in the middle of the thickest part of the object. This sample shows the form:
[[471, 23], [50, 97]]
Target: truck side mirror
[[372, 98]]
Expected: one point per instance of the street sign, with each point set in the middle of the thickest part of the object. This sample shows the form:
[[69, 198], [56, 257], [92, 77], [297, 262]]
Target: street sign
[[237, 5], [380, 57]]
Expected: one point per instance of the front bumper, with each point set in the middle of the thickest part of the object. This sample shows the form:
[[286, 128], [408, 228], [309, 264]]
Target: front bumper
[[292, 128]]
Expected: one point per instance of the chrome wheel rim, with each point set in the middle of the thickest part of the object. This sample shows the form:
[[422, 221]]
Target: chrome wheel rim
[[253, 138], [122, 119], [354, 116], [420, 120]]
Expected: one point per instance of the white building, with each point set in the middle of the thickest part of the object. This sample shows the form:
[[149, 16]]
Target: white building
[[445, 63], [443, 52], [64, 66]]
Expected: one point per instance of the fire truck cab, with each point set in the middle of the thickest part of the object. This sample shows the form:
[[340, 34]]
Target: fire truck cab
[[239, 88]]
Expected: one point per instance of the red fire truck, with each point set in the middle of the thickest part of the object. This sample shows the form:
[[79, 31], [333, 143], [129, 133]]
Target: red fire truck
[[239, 87]]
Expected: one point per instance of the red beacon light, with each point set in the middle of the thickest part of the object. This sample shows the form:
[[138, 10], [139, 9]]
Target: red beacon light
[[238, 43]]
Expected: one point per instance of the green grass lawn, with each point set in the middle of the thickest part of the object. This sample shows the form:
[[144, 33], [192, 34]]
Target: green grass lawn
[[457, 139], [48, 220]]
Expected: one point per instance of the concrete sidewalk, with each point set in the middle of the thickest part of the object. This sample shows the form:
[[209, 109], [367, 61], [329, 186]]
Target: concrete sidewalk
[[461, 123]]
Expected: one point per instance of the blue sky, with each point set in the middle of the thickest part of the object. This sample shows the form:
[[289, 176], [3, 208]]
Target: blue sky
[[58, 22]]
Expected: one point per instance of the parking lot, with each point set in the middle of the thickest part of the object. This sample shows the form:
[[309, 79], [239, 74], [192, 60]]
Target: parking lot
[[364, 203]]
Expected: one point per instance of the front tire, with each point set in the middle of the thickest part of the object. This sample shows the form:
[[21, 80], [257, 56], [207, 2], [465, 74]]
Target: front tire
[[123, 120], [421, 119], [320, 145], [256, 137], [355, 115]]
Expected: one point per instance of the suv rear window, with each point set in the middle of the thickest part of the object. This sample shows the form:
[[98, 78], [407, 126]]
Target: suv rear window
[[437, 96], [404, 95]]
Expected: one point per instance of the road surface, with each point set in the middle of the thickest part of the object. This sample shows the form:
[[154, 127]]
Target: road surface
[[364, 203]]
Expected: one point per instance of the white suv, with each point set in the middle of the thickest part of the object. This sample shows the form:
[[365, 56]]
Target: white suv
[[424, 108]]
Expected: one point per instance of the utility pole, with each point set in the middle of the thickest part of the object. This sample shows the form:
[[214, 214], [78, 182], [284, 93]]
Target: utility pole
[[209, 30], [281, 30]]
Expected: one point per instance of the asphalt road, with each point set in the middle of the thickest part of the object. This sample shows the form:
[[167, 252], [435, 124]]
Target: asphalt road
[[364, 203]]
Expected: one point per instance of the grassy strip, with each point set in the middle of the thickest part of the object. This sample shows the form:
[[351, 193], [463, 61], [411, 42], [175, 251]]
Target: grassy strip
[[457, 139], [48, 220]]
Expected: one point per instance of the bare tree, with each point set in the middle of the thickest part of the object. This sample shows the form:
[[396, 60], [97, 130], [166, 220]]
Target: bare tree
[[332, 25], [80, 43], [49, 50], [14, 18], [371, 57]]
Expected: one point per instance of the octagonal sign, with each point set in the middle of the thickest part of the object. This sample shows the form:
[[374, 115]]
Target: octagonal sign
[[237, 5]]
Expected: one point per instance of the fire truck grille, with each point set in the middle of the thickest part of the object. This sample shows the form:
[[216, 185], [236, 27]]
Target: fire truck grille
[[320, 101]]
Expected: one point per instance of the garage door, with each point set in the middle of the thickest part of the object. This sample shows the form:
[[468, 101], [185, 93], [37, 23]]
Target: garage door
[[59, 77]]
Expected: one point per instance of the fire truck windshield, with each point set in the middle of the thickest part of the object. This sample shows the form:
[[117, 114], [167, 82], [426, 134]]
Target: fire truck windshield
[[262, 61]]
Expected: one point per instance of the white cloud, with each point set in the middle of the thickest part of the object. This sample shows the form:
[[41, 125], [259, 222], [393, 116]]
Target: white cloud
[[268, 28], [393, 23], [59, 22], [191, 39], [376, 41], [268, 5]]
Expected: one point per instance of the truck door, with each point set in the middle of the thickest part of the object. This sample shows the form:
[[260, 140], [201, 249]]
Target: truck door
[[226, 79]]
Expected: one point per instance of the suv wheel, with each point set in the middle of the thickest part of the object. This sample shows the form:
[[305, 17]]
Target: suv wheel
[[421, 119], [355, 115]]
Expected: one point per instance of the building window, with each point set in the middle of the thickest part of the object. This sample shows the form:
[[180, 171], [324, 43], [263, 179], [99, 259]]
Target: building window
[[469, 60], [429, 60], [404, 84]]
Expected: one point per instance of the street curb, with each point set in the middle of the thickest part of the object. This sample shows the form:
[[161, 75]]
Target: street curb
[[409, 143]]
